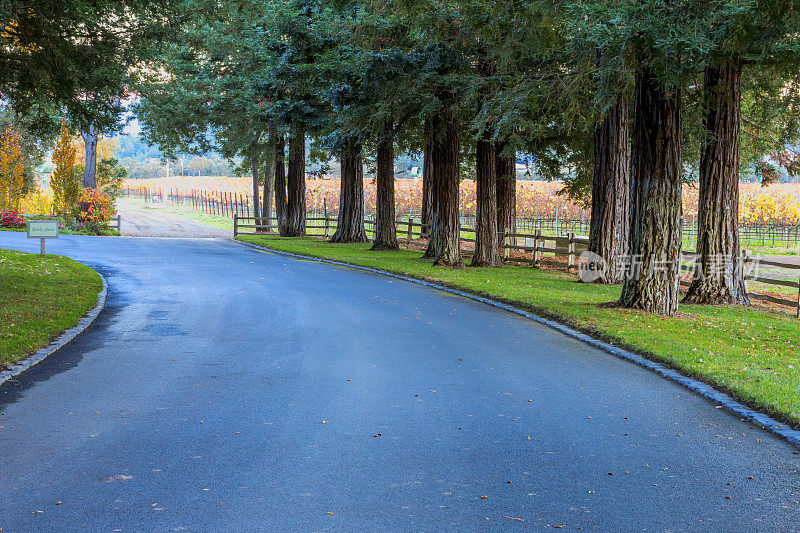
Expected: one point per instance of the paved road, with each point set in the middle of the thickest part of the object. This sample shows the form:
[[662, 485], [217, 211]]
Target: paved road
[[227, 389], [151, 220]]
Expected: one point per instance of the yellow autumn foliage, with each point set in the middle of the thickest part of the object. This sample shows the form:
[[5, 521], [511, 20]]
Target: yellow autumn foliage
[[64, 184], [37, 202], [11, 184]]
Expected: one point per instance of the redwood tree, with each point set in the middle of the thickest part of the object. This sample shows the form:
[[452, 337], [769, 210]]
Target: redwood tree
[[280, 184], [652, 281], [608, 230], [350, 224], [296, 184], [506, 192], [385, 226], [254, 170], [269, 176], [487, 251], [719, 278], [446, 177], [429, 195]]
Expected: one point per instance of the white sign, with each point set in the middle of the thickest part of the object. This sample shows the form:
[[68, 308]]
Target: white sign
[[42, 229]]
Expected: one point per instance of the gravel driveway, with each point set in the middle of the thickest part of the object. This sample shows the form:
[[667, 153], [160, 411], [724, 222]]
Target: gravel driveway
[[153, 221]]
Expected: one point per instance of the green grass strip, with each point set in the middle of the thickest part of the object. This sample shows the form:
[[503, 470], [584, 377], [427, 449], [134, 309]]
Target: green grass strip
[[41, 297], [752, 354]]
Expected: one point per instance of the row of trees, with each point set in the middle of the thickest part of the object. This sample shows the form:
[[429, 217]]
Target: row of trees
[[622, 99]]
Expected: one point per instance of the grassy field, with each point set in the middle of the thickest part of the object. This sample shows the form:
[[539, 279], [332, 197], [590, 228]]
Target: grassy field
[[39, 299], [753, 354]]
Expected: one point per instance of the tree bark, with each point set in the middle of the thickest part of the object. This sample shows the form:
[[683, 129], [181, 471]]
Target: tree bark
[[506, 193], [296, 207], [350, 225], [280, 183], [654, 240], [254, 170], [719, 278], [487, 250], [608, 229], [428, 189], [269, 177], [90, 136], [385, 227], [446, 176]]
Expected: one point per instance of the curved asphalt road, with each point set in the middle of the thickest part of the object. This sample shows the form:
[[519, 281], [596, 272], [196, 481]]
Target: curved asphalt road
[[224, 389]]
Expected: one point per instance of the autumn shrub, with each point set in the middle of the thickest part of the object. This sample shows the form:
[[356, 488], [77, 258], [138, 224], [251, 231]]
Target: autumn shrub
[[95, 211]]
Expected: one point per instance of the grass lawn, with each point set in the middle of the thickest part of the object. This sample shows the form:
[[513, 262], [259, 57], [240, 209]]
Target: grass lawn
[[39, 299], [752, 354]]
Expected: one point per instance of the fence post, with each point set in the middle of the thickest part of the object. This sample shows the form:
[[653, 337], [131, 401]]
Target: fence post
[[536, 241], [798, 299], [325, 216], [571, 250], [235, 224], [505, 246], [119, 223]]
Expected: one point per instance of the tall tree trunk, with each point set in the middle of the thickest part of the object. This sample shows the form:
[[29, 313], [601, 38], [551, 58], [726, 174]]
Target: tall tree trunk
[[608, 230], [446, 176], [280, 183], [269, 176], [90, 136], [350, 225], [654, 241], [487, 251], [296, 207], [506, 192], [429, 196], [385, 227], [254, 170], [720, 277], [428, 188]]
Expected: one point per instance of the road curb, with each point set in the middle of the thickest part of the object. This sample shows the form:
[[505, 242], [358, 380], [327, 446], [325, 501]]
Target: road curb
[[62, 340], [721, 399]]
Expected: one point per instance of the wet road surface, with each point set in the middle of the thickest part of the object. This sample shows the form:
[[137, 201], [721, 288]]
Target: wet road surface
[[227, 389]]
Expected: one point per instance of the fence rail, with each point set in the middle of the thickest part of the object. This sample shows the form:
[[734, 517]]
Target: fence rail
[[569, 245]]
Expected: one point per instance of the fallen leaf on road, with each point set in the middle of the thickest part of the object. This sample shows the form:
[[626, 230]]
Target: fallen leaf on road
[[512, 518], [118, 477]]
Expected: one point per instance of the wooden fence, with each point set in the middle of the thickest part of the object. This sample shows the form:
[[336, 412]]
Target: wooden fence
[[532, 248], [221, 203]]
